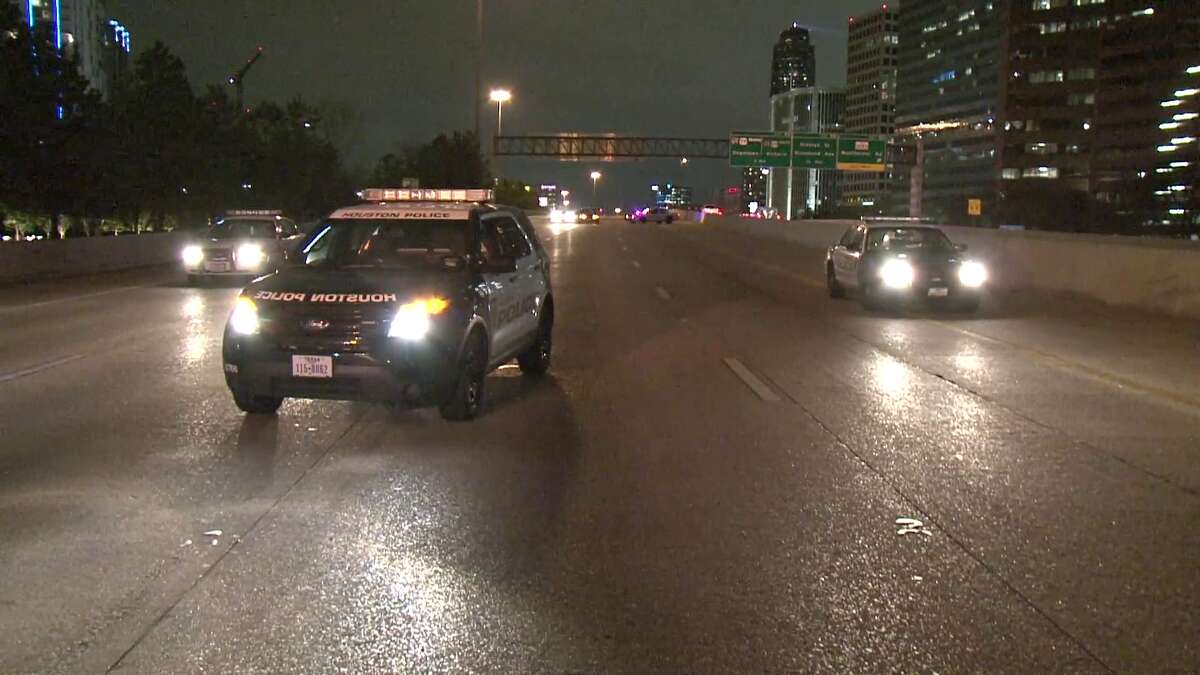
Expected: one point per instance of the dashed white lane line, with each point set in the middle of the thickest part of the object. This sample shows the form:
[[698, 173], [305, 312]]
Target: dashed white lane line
[[662, 292], [70, 298], [34, 370], [756, 385], [637, 264]]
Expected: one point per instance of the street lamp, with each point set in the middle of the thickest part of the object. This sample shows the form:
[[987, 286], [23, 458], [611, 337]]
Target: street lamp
[[596, 176], [500, 97]]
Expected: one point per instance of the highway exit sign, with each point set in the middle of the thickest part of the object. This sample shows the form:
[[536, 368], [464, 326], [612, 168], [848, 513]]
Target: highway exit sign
[[759, 149], [860, 153], [768, 149]]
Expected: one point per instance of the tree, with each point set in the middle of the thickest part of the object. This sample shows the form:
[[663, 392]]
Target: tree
[[453, 161], [516, 193]]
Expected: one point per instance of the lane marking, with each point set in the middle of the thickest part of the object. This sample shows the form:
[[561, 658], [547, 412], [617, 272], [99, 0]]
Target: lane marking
[[34, 370], [662, 292], [637, 264], [86, 296], [756, 385]]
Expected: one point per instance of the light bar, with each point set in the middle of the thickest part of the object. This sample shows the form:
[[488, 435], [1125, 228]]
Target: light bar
[[426, 195], [253, 212]]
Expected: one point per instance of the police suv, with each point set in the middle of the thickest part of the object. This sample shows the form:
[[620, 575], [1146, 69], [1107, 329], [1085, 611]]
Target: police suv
[[412, 297]]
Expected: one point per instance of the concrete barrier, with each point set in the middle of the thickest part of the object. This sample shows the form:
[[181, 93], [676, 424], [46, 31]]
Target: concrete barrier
[[1161, 275], [33, 260]]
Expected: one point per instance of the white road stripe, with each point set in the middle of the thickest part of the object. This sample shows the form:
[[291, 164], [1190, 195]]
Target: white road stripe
[[662, 292], [71, 298], [9, 377], [637, 264], [756, 385]]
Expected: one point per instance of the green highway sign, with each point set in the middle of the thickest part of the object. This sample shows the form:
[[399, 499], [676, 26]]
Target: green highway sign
[[779, 150], [759, 149], [814, 151], [860, 153]]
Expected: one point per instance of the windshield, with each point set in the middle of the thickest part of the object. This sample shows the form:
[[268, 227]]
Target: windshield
[[385, 243], [908, 238], [242, 229]]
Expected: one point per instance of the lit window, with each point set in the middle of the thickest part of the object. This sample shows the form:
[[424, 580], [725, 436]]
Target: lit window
[[1040, 172]]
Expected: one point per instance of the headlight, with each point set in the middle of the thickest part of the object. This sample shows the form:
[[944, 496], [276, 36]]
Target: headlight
[[413, 320], [972, 274], [250, 256], [244, 320], [897, 273], [193, 255]]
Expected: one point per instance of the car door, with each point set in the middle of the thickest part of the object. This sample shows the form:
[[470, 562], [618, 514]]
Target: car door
[[847, 256], [495, 287], [521, 303]]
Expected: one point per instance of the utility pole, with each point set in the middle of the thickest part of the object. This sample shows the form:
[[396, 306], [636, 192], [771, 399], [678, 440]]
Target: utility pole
[[478, 68], [238, 78]]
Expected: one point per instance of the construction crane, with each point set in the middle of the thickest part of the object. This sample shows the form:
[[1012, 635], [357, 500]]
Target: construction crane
[[238, 78]]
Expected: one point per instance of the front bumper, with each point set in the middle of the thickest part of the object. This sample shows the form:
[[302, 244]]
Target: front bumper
[[416, 373], [930, 293]]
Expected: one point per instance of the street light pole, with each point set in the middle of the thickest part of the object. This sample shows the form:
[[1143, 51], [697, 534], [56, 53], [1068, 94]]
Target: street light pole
[[478, 67], [595, 180], [500, 97]]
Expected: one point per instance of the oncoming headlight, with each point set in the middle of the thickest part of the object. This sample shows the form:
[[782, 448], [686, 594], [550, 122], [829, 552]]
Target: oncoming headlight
[[897, 273], [414, 319], [192, 255], [250, 256], [244, 319], [972, 274]]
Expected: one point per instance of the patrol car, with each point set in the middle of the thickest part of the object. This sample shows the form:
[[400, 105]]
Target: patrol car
[[411, 298], [243, 243]]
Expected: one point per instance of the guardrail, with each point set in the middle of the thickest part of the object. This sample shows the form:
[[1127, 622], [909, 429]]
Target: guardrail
[[33, 260], [1161, 275]]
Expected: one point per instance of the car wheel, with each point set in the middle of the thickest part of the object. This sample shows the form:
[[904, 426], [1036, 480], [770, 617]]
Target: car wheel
[[870, 298], [257, 405], [835, 289], [535, 361], [194, 280], [670, 220], [466, 400], [968, 306]]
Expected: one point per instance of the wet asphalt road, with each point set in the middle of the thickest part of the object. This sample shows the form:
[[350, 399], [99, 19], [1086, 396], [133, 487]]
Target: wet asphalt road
[[710, 481]]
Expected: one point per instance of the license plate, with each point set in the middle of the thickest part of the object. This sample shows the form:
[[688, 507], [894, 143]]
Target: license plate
[[939, 292], [312, 366], [217, 267]]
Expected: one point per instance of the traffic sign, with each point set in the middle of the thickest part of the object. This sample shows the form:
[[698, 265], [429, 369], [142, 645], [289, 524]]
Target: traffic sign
[[759, 149], [860, 153], [814, 151], [975, 207]]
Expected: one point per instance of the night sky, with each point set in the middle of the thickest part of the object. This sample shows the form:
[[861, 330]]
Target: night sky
[[696, 68]]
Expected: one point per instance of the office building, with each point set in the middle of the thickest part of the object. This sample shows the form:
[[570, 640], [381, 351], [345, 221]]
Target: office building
[[754, 189], [671, 195], [82, 29], [1102, 101], [947, 103], [813, 192], [794, 63], [871, 59]]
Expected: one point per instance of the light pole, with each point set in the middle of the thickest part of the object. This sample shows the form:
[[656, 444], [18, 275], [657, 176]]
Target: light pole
[[478, 67], [500, 97], [596, 176]]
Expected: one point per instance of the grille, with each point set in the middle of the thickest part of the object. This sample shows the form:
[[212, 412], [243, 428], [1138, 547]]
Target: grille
[[350, 328], [218, 254]]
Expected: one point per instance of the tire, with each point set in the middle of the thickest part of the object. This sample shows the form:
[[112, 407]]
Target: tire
[[194, 280], [870, 298], [969, 306], [835, 289], [670, 220], [535, 361], [257, 405], [466, 400]]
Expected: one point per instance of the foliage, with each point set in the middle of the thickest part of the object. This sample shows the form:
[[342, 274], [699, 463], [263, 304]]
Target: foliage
[[516, 193], [453, 161]]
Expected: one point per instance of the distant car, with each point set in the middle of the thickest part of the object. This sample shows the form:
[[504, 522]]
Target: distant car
[[900, 263], [588, 215], [561, 216], [713, 210], [658, 214], [246, 243]]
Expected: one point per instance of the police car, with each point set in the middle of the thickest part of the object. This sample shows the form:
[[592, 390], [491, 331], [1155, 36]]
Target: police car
[[412, 297], [242, 244]]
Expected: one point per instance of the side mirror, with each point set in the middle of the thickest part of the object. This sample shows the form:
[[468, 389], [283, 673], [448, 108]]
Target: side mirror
[[961, 248], [498, 266]]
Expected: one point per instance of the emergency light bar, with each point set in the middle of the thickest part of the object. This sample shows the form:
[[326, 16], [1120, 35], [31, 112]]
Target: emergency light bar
[[425, 195], [253, 212]]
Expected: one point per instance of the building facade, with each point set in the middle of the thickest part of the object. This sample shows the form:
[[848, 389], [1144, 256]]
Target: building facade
[[1100, 128], [754, 189], [808, 110], [871, 64], [794, 62], [951, 53], [82, 29]]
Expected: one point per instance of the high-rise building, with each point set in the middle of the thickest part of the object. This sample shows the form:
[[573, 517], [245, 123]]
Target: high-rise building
[[82, 29], [754, 189], [1102, 103], [794, 64], [115, 55], [871, 58], [947, 102], [806, 111]]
